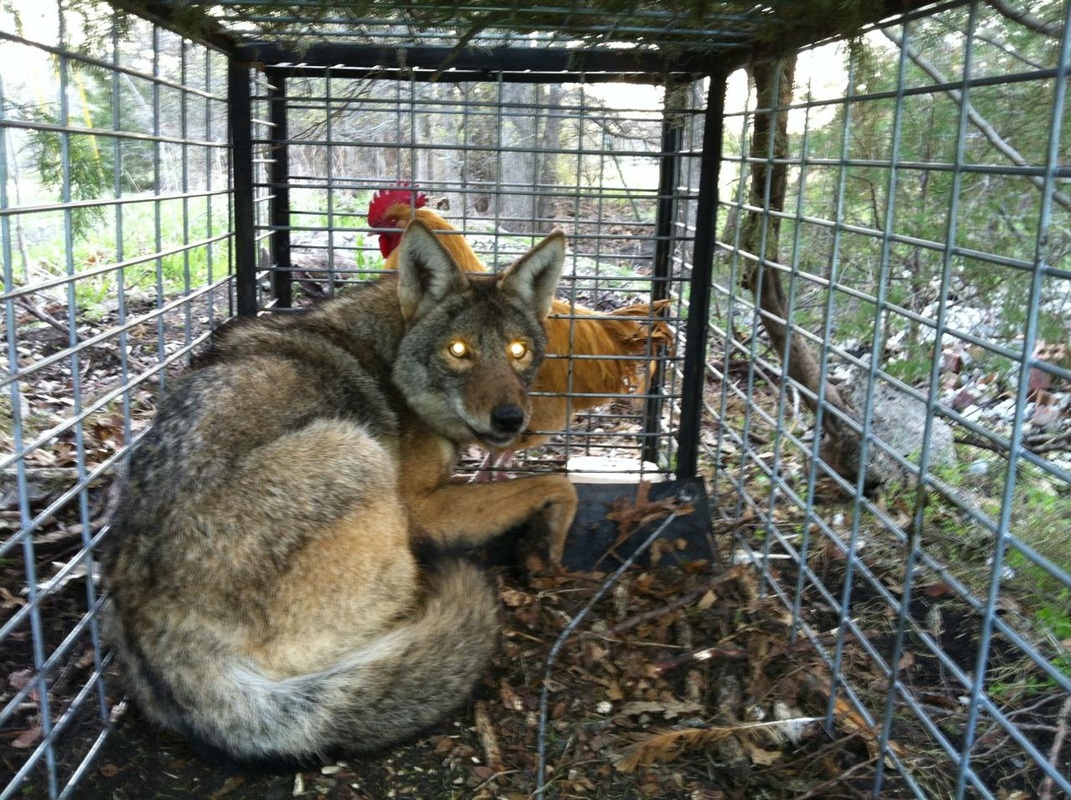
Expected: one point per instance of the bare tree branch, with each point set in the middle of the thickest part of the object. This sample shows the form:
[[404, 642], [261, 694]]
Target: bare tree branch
[[840, 442], [1023, 17], [977, 120]]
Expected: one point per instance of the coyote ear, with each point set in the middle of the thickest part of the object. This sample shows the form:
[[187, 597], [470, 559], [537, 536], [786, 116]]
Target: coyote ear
[[426, 271], [534, 278]]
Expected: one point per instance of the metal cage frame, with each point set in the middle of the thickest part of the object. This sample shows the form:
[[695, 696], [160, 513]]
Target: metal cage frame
[[238, 76]]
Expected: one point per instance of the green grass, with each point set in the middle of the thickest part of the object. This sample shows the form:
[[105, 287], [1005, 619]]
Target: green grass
[[1040, 520], [143, 230]]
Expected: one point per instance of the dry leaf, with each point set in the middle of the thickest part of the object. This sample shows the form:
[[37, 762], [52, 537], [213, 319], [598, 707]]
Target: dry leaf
[[27, 738], [229, 785], [512, 598], [443, 745], [850, 721], [509, 697], [9, 600], [631, 515], [20, 679], [761, 757], [707, 600]]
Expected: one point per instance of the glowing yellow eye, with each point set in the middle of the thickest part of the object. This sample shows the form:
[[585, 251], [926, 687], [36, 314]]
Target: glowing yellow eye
[[518, 349], [458, 349]]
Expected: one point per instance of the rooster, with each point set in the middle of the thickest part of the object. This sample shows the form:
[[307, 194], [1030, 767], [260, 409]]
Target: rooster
[[573, 377]]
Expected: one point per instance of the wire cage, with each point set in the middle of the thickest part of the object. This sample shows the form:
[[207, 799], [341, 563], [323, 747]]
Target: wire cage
[[501, 163], [862, 270], [939, 600], [117, 236], [943, 563]]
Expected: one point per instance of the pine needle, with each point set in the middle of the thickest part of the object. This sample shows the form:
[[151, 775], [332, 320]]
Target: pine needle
[[662, 746]]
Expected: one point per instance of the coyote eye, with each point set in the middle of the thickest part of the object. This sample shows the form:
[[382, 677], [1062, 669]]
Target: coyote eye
[[518, 349], [458, 349]]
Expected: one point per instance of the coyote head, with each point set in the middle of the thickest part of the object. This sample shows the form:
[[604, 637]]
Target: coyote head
[[472, 342]]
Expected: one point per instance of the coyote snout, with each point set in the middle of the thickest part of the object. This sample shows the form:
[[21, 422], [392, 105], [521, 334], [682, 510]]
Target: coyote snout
[[495, 400]]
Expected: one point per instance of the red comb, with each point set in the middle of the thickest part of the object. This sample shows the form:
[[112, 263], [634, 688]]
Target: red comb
[[385, 198]]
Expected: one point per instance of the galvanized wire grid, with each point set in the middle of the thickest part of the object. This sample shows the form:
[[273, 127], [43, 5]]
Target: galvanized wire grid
[[482, 155], [934, 605], [940, 604], [115, 226]]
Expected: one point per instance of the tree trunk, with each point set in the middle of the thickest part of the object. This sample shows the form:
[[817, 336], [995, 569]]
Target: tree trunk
[[551, 142], [773, 85], [517, 160]]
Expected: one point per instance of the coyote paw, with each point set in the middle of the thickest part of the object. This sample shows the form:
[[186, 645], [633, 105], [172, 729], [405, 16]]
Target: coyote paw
[[559, 511]]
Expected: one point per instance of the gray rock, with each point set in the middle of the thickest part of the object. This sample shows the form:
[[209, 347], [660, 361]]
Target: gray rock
[[899, 420]]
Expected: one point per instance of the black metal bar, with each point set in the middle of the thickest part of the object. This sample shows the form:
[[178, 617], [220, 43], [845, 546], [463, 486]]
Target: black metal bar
[[547, 65], [673, 122], [240, 119], [702, 277], [282, 276], [483, 76]]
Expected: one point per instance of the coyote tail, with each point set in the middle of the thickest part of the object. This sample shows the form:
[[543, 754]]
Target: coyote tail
[[381, 693]]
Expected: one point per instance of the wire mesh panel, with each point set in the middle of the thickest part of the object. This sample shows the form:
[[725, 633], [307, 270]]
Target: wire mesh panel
[[888, 389], [494, 166], [886, 397], [115, 226]]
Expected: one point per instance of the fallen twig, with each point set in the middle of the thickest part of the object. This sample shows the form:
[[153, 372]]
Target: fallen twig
[[703, 654], [730, 574], [730, 525], [485, 729], [27, 305], [1048, 785]]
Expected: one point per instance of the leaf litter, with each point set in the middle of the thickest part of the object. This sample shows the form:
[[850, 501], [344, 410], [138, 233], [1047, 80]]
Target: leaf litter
[[681, 682]]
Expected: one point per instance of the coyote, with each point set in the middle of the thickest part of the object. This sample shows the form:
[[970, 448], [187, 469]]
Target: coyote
[[266, 598]]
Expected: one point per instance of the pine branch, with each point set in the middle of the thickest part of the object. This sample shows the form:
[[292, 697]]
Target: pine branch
[[977, 120]]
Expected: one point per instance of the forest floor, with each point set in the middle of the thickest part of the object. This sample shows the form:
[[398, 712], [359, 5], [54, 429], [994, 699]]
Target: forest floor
[[683, 682]]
